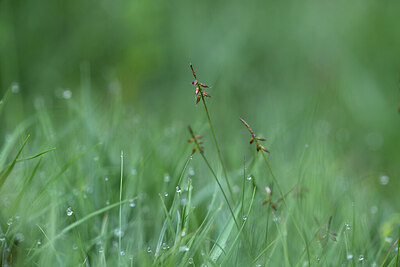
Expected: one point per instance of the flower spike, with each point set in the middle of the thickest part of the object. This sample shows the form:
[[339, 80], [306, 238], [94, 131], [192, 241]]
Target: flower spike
[[197, 142], [199, 93], [254, 138]]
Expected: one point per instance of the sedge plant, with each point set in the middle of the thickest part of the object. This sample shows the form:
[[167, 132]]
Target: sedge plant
[[201, 95]]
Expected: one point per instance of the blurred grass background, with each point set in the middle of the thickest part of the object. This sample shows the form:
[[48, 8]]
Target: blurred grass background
[[319, 79]]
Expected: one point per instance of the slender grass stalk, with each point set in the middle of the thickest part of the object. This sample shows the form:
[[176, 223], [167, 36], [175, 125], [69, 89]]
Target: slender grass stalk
[[222, 189], [120, 209], [200, 95], [217, 147], [283, 198]]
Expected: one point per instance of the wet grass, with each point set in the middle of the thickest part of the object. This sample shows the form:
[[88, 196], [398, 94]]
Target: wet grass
[[160, 202]]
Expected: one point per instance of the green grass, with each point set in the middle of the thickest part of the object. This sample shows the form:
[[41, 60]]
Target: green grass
[[88, 203]]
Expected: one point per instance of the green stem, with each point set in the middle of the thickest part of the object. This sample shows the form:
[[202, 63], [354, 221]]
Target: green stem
[[284, 199], [222, 189], [217, 147]]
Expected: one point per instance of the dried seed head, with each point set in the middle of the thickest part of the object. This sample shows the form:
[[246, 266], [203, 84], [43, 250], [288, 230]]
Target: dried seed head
[[195, 82], [194, 74], [196, 92], [203, 85], [206, 94], [198, 99], [251, 140]]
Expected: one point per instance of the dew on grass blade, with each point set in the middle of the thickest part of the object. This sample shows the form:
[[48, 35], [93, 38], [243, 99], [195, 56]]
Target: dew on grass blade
[[106, 178], [107, 202], [165, 194], [67, 94], [388, 239], [164, 246], [191, 171], [132, 203], [167, 178], [249, 177], [178, 189], [10, 221], [69, 211], [244, 217], [74, 247], [183, 248], [347, 226], [361, 258], [349, 256], [118, 232], [133, 171], [190, 261], [15, 88], [39, 243], [122, 253], [149, 250], [384, 179]]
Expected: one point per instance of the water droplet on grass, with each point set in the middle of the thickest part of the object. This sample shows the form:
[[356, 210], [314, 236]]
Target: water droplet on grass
[[349, 256], [190, 261], [165, 194], [361, 258], [244, 217], [149, 250], [133, 171], [388, 239], [249, 177], [67, 94], [164, 246], [167, 178], [118, 232], [106, 179], [69, 211], [107, 202], [347, 226], [15, 88], [191, 171], [74, 247], [39, 242], [178, 189], [183, 249], [122, 253], [384, 179], [132, 203], [10, 221]]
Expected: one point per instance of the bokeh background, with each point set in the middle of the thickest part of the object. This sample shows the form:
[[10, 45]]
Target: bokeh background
[[310, 74]]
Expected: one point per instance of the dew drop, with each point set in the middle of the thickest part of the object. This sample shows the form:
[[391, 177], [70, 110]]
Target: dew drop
[[69, 211], [149, 250], [183, 249], [122, 253], [347, 226], [132, 203], [190, 261], [74, 247], [67, 94], [15, 88], [164, 246], [167, 178], [244, 217], [39, 242], [361, 258], [165, 194], [101, 250], [384, 179], [178, 189], [349, 256], [249, 177], [133, 171], [388, 239], [118, 232], [106, 179], [191, 171], [10, 221], [107, 202]]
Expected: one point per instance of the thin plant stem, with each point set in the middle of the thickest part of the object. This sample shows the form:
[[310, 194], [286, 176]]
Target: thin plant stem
[[217, 147], [283, 198], [222, 189], [120, 209]]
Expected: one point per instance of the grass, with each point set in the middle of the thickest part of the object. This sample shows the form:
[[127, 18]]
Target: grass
[[156, 203]]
